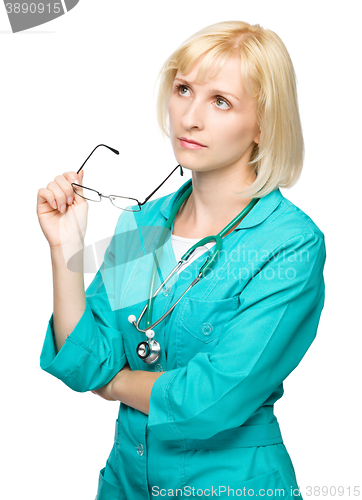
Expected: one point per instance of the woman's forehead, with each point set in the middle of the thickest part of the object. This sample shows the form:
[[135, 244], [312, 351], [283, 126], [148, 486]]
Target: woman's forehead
[[231, 64]]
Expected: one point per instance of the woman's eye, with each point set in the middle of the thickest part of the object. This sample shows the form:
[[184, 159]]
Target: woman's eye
[[222, 100], [180, 87], [218, 99]]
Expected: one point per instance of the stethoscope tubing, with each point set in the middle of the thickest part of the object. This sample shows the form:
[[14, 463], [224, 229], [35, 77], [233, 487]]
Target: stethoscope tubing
[[151, 327], [159, 250], [218, 237], [148, 330]]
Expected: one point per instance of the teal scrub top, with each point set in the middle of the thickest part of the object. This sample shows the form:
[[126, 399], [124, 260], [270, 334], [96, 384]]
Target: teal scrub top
[[226, 348]]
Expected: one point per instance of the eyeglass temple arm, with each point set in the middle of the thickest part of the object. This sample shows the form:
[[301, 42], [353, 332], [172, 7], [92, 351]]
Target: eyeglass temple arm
[[112, 149], [153, 192]]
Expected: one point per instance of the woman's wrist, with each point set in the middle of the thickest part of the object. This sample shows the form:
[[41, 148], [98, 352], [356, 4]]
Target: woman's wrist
[[117, 384]]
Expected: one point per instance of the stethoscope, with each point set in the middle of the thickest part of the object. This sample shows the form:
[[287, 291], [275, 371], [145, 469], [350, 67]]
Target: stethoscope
[[149, 350]]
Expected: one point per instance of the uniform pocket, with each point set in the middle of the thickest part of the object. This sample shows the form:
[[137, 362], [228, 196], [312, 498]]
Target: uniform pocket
[[204, 319], [199, 324], [233, 472], [279, 456], [107, 490], [268, 485], [109, 487]]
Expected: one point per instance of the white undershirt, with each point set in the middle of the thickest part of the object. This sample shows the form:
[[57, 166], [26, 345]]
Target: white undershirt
[[181, 245]]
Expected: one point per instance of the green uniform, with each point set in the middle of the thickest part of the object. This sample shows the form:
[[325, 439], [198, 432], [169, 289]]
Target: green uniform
[[226, 349]]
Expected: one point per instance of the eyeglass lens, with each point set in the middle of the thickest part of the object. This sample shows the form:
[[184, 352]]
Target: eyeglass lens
[[118, 201]]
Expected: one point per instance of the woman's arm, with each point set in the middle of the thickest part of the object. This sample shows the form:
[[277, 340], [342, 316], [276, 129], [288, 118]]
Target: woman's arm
[[69, 300], [133, 388], [92, 352]]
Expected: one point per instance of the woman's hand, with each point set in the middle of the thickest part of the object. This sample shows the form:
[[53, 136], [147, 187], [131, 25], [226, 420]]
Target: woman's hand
[[106, 392], [62, 214]]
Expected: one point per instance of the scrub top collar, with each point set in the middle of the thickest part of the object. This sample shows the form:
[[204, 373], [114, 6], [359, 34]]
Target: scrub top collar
[[265, 206]]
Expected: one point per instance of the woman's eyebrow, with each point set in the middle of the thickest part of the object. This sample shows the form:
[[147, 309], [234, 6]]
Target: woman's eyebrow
[[211, 91]]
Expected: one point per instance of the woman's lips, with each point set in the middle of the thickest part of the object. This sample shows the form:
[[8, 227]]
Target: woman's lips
[[190, 145]]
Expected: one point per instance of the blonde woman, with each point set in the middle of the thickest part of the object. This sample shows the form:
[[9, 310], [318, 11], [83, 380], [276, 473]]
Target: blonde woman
[[197, 388]]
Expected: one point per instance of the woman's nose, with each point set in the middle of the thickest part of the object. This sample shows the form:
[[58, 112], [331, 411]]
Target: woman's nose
[[193, 116]]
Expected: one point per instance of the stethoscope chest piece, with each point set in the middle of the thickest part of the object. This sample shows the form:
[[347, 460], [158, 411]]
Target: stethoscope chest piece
[[149, 350]]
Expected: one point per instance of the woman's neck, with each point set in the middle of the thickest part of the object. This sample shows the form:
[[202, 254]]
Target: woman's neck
[[211, 205]]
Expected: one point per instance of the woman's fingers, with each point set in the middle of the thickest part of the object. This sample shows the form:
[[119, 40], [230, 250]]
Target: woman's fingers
[[66, 186], [73, 177], [77, 179], [58, 193], [46, 196]]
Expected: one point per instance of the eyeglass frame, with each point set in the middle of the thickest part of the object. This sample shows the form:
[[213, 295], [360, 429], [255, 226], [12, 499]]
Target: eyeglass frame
[[125, 197]]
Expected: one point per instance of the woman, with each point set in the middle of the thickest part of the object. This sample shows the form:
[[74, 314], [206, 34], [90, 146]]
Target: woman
[[200, 419]]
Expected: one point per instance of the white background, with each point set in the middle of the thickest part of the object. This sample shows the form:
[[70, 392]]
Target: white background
[[89, 77]]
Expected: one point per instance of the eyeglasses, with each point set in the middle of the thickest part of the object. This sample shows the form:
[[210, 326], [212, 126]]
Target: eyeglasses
[[120, 202]]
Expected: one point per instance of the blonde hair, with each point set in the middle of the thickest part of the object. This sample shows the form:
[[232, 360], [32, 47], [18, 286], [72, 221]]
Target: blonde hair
[[268, 76]]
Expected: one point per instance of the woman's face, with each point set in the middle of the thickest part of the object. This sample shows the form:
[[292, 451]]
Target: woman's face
[[226, 125]]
